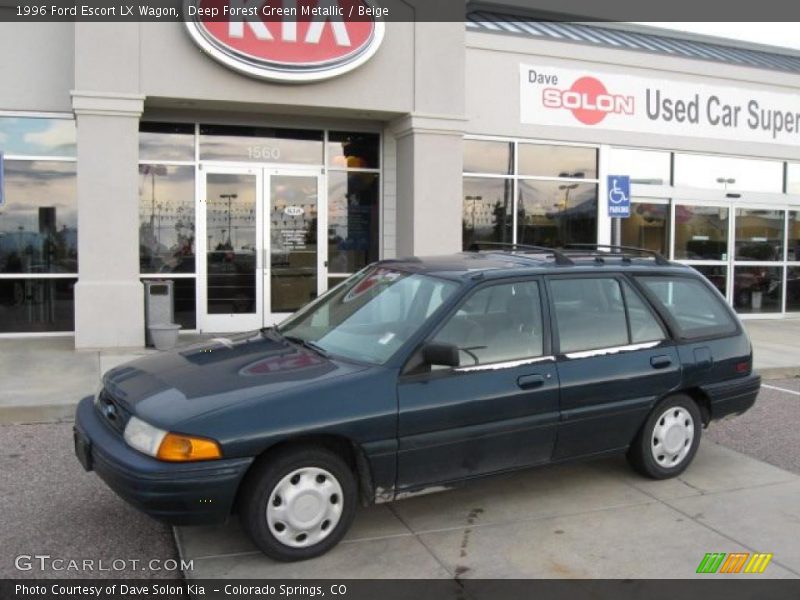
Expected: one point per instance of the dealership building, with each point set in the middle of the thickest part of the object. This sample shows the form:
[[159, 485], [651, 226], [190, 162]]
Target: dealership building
[[255, 165]]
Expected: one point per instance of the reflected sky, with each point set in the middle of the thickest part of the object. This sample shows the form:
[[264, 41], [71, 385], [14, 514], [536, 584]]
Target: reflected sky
[[37, 137]]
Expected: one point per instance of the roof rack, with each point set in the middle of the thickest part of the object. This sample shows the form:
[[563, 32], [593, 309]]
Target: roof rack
[[623, 250], [560, 257]]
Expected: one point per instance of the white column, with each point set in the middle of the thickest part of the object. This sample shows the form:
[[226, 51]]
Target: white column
[[430, 162], [109, 302]]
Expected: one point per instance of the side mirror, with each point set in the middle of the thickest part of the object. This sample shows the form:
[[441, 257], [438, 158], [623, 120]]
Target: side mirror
[[441, 354]]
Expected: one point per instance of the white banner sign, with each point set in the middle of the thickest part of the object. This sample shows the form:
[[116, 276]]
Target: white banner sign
[[592, 99]]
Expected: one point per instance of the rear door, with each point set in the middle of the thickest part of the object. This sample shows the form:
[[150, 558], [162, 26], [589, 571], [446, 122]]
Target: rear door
[[614, 361], [499, 409]]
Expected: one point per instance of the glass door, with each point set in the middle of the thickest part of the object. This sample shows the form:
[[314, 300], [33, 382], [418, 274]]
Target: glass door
[[296, 229], [230, 249]]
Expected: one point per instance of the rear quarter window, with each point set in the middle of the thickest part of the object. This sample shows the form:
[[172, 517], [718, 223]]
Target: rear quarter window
[[696, 309]]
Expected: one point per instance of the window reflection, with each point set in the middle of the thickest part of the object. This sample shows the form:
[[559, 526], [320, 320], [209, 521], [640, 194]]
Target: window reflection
[[794, 235], [486, 211], [647, 227], [643, 166], [716, 274], [701, 232], [37, 137], [488, 157], [39, 220], [728, 173], [353, 150], [260, 144], [353, 219], [759, 234], [757, 289], [557, 161], [166, 219], [793, 289], [554, 214], [166, 141]]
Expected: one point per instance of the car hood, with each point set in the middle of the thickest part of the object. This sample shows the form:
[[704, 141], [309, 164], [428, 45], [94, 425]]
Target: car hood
[[167, 388]]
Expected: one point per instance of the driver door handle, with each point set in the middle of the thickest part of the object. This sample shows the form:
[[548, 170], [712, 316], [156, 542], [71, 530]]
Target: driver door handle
[[529, 382], [661, 361]]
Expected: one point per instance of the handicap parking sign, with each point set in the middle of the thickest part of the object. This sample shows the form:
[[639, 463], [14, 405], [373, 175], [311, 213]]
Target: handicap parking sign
[[619, 196]]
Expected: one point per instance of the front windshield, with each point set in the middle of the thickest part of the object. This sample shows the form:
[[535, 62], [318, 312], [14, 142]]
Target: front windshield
[[369, 316]]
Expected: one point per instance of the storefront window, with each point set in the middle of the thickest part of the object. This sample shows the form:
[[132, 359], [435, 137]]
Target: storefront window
[[553, 213], [353, 218], [166, 219], [39, 219], [557, 161], [646, 167], [487, 210], [728, 173], [716, 274], [261, 144], [37, 305], [701, 232], [759, 234], [793, 178], [21, 136], [757, 289], [353, 150], [647, 227], [488, 157], [794, 236], [793, 289], [166, 141]]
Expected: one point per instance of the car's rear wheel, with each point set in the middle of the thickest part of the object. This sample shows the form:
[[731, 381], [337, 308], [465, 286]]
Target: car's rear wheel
[[668, 440], [298, 503]]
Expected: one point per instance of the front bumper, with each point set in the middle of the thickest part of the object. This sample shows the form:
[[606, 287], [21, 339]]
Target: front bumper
[[733, 397], [196, 493]]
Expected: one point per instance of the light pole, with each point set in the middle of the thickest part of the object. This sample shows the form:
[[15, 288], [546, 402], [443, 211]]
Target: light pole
[[229, 198]]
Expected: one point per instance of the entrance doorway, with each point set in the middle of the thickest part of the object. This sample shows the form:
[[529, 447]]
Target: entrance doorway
[[260, 245]]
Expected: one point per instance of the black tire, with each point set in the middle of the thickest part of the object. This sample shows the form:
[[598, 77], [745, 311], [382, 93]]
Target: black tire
[[640, 453], [261, 482]]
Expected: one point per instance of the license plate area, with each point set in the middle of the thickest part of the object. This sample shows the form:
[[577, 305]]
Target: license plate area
[[83, 449]]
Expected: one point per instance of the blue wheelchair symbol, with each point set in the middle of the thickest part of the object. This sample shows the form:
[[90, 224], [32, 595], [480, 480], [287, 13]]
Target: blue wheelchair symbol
[[616, 194], [619, 196]]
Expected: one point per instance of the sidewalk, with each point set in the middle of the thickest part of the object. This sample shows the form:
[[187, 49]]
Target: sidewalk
[[43, 379]]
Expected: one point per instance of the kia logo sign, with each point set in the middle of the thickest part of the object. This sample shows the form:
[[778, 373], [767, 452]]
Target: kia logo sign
[[286, 40], [589, 100], [293, 211]]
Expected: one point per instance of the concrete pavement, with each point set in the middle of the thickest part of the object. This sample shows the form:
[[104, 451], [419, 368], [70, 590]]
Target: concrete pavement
[[585, 520]]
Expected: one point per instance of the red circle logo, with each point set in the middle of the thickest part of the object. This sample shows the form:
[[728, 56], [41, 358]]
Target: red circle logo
[[305, 45], [589, 90]]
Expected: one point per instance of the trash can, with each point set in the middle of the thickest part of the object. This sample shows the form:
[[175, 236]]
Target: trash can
[[159, 314]]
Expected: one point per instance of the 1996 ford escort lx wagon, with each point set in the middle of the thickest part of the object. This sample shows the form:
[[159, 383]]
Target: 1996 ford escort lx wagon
[[418, 374]]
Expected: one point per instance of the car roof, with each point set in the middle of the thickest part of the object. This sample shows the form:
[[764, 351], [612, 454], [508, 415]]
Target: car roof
[[499, 263]]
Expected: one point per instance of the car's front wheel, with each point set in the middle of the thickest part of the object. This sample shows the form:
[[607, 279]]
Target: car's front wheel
[[298, 503], [668, 440]]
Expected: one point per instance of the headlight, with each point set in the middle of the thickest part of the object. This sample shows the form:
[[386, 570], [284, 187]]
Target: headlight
[[143, 436], [163, 445]]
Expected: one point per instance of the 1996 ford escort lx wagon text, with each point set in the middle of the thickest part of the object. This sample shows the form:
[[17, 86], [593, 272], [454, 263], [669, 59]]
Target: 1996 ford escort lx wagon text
[[418, 374]]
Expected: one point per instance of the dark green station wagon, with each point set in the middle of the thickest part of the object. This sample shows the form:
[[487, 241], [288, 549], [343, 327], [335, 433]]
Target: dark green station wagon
[[419, 374]]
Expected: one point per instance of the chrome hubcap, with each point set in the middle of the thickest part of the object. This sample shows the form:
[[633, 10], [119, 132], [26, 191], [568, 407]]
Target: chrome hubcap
[[672, 437], [305, 507]]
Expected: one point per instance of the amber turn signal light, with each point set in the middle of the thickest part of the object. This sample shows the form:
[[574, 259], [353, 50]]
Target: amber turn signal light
[[181, 448]]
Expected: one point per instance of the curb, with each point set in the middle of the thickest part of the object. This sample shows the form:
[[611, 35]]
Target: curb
[[778, 372]]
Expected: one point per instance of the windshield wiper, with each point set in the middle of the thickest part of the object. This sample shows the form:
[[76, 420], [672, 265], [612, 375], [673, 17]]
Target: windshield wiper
[[307, 344]]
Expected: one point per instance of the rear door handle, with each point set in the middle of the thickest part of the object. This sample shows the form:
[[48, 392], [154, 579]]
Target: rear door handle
[[528, 382], [661, 361]]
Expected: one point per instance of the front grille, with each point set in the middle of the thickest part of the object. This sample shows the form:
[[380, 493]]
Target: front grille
[[111, 411]]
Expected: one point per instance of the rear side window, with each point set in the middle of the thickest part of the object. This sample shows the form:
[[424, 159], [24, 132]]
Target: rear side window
[[697, 311], [597, 312], [590, 313]]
